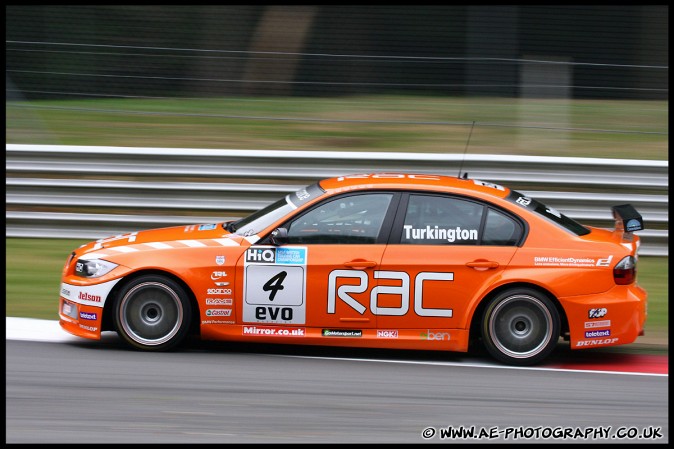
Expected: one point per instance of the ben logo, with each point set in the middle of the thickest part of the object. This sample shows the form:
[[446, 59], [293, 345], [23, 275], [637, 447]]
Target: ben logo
[[261, 255], [441, 336]]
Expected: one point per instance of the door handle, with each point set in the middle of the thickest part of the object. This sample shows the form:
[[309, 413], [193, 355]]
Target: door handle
[[360, 263], [482, 264]]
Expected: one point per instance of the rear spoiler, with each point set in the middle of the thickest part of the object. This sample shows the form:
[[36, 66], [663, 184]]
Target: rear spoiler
[[627, 218]]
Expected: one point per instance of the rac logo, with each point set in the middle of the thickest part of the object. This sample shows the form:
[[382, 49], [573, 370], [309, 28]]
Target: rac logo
[[343, 292]]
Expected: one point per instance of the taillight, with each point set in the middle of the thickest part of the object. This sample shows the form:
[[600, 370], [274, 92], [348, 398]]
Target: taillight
[[625, 272]]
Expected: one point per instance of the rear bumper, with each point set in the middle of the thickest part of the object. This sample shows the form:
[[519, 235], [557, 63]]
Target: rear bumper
[[616, 317]]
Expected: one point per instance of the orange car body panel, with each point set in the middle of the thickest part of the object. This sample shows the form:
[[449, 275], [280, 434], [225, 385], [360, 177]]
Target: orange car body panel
[[378, 295]]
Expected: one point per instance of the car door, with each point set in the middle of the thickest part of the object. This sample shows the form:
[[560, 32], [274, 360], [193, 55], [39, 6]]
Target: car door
[[445, 249], [327, 268]]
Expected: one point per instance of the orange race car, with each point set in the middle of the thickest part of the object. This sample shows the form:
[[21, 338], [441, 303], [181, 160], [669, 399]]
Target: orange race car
[[386, 260]]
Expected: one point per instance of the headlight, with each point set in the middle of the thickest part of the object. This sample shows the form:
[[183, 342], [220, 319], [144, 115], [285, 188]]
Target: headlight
[[93, 268]]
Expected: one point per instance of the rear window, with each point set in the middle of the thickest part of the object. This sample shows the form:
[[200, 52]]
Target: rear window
[[548, 212]]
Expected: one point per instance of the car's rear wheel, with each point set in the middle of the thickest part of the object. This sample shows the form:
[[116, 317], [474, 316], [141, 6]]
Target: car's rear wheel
[[520, 326], [153, 313]]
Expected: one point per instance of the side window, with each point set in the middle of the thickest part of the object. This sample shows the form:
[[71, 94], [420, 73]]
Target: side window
[[439, 220], [501, 230], [349, 219]]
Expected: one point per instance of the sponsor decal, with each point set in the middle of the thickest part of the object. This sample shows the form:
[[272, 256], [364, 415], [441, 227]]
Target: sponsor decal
[[488, 184], [274, 285], [221, 284], [219, 301], [88, 328], [274, 331], [217, 322], [597, 313], [219, 291], [593, 324], [554, 261], [439, 336], [341, 333], [188, 228], [633, 225], [343, 292], [88, 316], [523, 200], [261, 255], [219, 312], [387, 334], [218, 275], [554, 212], [94, 295], [88, 297], [220, 260], [207, 227], [390, 176], [597, 334], [605, 262], [607, 341], [437, 233], [291, 256], [302, 194]]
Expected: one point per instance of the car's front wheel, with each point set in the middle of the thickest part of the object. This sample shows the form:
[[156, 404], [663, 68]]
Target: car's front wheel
[[520, 326], [153, 313]]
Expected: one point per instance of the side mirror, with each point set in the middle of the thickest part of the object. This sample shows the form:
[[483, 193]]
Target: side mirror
[[279, 236]]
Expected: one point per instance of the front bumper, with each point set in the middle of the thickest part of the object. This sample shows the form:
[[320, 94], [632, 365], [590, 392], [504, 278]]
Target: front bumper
[[81, 308]]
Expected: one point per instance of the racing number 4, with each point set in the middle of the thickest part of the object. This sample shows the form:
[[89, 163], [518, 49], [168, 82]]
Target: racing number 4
[[275, 284]]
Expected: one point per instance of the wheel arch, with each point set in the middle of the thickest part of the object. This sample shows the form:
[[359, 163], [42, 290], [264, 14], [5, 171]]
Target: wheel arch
[[474, 330], [108, 309]]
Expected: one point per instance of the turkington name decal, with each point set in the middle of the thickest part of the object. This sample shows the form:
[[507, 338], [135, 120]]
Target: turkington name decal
[[438, 233]]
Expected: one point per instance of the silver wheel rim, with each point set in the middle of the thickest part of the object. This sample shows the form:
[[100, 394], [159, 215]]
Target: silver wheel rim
[[520, 326], [151, 313]]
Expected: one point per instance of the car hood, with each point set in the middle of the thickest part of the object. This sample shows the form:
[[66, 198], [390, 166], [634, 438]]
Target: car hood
[[210, 234]]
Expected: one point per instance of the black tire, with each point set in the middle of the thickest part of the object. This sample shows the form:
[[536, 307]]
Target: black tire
[[152, 313], [520, 327]]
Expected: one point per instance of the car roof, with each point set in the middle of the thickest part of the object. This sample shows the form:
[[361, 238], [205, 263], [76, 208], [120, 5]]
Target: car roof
[[414, 181]]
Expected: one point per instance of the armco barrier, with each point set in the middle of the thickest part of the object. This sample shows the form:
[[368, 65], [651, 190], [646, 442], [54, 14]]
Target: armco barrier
[[79, 191]]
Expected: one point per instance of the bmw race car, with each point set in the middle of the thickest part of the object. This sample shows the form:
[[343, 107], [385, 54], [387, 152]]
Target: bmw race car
[[384, 260]]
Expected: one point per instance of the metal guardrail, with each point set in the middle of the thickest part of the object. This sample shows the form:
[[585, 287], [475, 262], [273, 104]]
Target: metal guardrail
[[50, 188]]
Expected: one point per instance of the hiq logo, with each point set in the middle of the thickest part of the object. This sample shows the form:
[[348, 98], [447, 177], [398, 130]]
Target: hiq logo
[[88, 316], [267, 255]]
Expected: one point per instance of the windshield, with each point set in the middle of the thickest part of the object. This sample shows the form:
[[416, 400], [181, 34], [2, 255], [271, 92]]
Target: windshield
[[548, 212], [265, 217]]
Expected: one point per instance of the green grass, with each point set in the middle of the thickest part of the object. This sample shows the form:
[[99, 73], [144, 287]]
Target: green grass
[[34, 274], [417, 124]]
